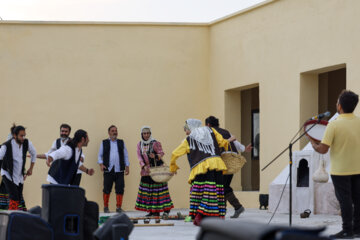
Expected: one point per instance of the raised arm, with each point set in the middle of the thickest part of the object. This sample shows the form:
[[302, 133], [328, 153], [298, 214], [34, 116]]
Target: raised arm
[[65, 153], [182, 149]]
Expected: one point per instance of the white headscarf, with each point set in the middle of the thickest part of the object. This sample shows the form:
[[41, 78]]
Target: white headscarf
[[201, 136], [143, 142]]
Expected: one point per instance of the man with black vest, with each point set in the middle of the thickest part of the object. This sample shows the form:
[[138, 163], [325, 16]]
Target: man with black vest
[[65, 130], [68, 157], [235, 147], [13, 156], [114, 162]]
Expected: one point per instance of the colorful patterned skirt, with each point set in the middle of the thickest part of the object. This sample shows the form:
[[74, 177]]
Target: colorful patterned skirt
[[207, 195], [153, 197], [4, 197], [5, 201]]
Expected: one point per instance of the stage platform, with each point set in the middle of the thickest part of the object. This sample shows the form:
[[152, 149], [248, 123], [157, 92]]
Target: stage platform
[[185, 230]]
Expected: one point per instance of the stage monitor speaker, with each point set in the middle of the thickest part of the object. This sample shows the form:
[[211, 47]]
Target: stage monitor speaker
[[19, 225], [105, 232], [119, 231], [63, 207], [35, 210], [91, 219], [214, 229]]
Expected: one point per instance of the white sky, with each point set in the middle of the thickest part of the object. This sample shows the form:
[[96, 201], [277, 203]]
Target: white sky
[[121, 10]]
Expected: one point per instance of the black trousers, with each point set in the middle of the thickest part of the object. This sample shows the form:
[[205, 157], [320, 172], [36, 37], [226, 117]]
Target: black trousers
[[110, 178], [77, 180], [15, 192], [347, 191], [227, 182]]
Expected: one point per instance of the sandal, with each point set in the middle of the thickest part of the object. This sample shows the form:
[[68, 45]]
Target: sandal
[[305, 214]]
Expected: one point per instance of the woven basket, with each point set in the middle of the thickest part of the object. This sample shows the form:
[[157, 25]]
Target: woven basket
[[160, 174], [233, 161]]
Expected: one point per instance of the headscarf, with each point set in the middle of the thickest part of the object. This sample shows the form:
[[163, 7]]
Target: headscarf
[[143, 142], [201, 136]]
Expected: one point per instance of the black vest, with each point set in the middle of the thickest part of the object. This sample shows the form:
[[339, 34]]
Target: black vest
[[196, 156], [106, 153], [226, 135], [64, 171], [8, 161], [58, 143]]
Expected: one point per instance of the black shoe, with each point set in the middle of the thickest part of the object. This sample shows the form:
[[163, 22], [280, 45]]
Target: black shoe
[[106, 210], [119, 210], [342, 235], [149, 214], [156, 214], [238, 212]]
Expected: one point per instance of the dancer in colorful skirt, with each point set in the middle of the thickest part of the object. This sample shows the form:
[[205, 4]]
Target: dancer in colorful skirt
[[202, 147], [152, 197]]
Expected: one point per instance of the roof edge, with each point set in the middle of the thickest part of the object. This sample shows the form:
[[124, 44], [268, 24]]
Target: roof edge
[[243, 11], [34, 22]]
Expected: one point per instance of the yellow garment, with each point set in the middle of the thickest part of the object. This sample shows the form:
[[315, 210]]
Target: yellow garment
[[343, 137], [213, 163]]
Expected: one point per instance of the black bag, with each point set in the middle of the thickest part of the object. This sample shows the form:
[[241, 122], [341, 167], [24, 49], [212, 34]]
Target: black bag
[[19, 225], [91, 219], [105, 232], [63, 208]]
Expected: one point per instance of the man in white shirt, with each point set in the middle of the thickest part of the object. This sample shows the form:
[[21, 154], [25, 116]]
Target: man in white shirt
[[114, 162], [65, 130], [69, 155], [13, 156]]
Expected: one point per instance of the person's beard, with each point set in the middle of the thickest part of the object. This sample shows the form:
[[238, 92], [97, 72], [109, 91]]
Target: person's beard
[[64, 136], [18, 141]]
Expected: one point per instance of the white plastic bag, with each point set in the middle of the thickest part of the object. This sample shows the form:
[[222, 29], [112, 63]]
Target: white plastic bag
[[320, 175]]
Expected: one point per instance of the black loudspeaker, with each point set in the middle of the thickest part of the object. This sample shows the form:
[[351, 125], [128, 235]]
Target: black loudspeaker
[[119, 231], [19, 225], [35, 210], [214, 229], [105, 232], [264, 201], [63, 207], [91, 219]]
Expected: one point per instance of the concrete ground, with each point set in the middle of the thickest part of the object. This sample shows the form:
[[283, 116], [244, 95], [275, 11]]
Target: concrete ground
[[182, 230]]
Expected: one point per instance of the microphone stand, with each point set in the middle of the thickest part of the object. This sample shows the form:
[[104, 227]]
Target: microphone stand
[[290, 166]]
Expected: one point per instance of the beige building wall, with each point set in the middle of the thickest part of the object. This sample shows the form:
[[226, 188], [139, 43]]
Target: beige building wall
[[94, 75], [272, 46]]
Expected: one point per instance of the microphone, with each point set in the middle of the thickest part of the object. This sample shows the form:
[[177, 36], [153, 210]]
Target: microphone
[[321, 115]]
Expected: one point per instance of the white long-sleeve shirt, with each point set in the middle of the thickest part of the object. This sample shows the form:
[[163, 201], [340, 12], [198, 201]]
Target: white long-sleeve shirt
[[64, 153], [114, 156], [63, 142], [239, 146], [17, 152], [54, 147]]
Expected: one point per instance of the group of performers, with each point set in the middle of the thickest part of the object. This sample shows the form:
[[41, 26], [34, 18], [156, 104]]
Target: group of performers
[[210, 187]]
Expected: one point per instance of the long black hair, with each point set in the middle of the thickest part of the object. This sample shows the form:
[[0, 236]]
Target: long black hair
[[17, 129], [79, 134]]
